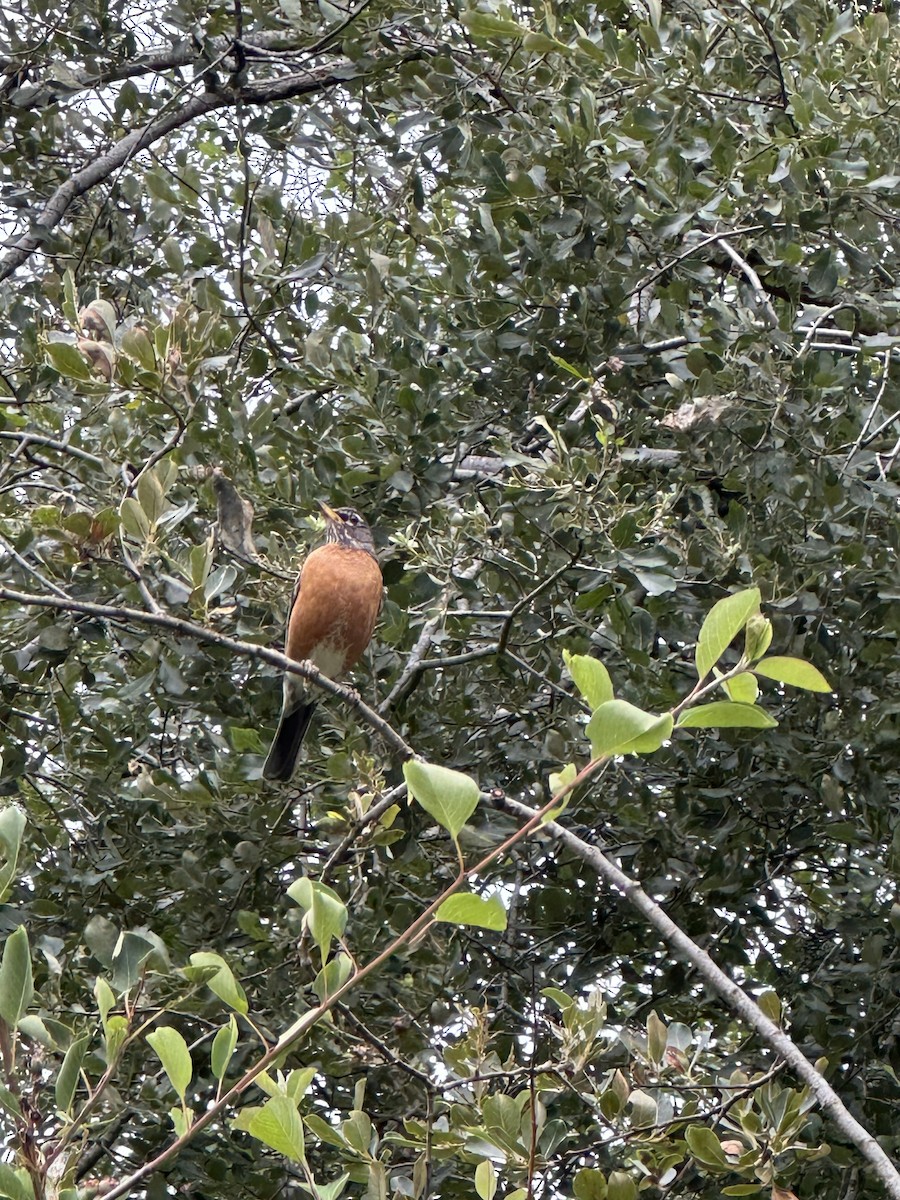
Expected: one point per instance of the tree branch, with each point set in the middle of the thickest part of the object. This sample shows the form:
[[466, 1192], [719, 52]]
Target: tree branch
[[287, 88], [160, 620], [734, 997]]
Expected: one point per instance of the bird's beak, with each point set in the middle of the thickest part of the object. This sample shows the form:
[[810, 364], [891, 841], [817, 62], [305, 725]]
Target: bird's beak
[[328, 513]]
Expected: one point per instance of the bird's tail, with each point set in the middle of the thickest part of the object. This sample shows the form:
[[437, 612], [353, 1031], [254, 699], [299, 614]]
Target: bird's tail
[[286, 743]]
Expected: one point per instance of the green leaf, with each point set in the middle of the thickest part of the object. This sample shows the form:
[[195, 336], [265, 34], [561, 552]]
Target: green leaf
[[138, 346], [589, 1184], [326, 913], [723, 623], [116, 1031], [704, 1146], [333, 976], [486, 1179], [105, 998], [223, 1047], [590, 677], [757, 637], [446, 795], [724, 714], [67, 1079], [466, 909], [490, 26], [15, 1183], [12, 827], [793, 671], [222, 982], [743, 688], [618, 727], [657, 1036], [129, 956], [557, 781], [770, 1004], [277, 1125], [16, 986], [171, 1049], [620, 1186], [151, 497], [134, 519], [68, 361], [565, 365]]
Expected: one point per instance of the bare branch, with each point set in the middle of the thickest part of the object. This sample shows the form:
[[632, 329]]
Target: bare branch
[[715, 977], [176, 625]]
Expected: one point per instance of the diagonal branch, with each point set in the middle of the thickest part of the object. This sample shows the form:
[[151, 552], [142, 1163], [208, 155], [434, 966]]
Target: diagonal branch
[[176, 625], [736, 999], [287, 88]]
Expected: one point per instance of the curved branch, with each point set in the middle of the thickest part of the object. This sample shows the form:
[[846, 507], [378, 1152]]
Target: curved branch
[[160, 620], [287, 88]]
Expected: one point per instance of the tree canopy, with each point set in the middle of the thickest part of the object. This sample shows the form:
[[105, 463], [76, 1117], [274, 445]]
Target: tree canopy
[[589, 889]]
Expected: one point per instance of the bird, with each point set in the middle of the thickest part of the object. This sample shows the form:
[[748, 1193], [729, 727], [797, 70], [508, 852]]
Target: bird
[[334, 607]]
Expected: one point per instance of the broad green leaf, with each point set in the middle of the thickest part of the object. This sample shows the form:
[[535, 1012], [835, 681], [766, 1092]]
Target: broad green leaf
[[743, 1189], [589, 1184], [705, 1146], [137, 345], [12, 827], [222, 983], [277, 1125], [466, 909], [32, 1026], [16, 986], [770, 1004], [115, 1033], [620, 1186], [723, 623], [9, 1103], [725, 714], [150, 496], [657, 1035], [333, 976], [134, 519], [326, 913], [357, 1131], [486, 1179], [590, 677], [324, 1132], [67, 1079], [618, 727], [333, 1190], [794, 672], [70, 298], [223, 1047], [298, 1083], [446, 795], [757, 637], [68, 361], [15, 1183], [557, 781], [181, 1119], [129, 956], [172, 1051], [743, 688]]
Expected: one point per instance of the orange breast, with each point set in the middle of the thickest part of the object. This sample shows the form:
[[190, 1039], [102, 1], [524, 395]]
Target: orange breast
[[337, 604]]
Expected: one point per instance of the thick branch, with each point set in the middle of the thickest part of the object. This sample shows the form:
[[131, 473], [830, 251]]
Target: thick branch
[[159, 620], [101, 168], [737, 1000]]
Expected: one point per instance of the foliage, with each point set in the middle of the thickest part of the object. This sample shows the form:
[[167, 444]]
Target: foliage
[[593, 312]]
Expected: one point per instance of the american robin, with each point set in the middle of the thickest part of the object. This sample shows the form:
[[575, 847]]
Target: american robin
[[336, 601]]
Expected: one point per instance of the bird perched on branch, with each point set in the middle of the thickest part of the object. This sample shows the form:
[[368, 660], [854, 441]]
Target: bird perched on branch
[[334, 607]]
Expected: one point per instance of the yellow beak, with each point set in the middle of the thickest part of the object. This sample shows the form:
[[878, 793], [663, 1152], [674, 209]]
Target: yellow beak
[[328, 513]]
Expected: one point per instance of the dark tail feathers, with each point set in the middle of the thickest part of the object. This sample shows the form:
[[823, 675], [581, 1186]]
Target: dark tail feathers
[[286, 743]]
